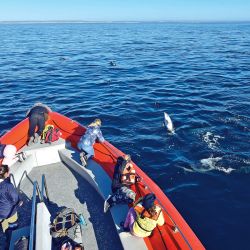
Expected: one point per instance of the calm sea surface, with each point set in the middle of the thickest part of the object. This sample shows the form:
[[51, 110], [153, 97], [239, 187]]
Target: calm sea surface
[[198, 73]]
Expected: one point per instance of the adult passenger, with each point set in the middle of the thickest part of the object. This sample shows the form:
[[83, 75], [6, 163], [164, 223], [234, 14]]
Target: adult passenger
[[38, 115], [123, 178], [85, 145], [9, 201], [142, 219]]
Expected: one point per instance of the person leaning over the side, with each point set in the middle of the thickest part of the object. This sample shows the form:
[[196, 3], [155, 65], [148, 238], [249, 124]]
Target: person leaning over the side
[[85, 145], [143, 218], [9, 202], [37, 115], [123, 178]]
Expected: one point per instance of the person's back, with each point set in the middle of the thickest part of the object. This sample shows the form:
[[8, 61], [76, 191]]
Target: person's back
[[116, 181], [38, 115], [146, 222], [91, 135], [85, 145], [8, 199], [39, 110]]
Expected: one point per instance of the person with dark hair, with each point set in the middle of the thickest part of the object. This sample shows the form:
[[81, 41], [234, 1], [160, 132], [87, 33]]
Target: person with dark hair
[[37, 115], [9, 201], [143, 218], [86, 142], [123, 178]]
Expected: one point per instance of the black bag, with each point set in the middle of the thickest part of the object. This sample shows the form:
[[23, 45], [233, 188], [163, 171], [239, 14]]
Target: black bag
[[65, 224], [22, 244]]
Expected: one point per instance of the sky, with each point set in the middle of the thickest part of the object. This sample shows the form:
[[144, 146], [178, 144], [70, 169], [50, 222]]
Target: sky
[[124, 10]]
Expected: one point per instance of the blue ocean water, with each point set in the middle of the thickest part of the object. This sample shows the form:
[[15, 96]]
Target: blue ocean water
[[198, 73]]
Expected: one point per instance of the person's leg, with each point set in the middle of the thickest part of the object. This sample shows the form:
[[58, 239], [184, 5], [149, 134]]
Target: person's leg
[[130, 219], [128, 195], [32, 125], [86, 153], [9, 225], [40, 124]]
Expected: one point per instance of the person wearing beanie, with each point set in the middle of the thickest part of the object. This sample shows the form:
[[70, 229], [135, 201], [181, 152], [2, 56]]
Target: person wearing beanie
[[143, 218]]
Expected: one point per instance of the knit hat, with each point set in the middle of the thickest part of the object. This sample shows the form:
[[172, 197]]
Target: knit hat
[[148, 200]]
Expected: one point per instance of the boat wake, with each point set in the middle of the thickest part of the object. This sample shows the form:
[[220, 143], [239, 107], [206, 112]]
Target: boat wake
[[169, 190]]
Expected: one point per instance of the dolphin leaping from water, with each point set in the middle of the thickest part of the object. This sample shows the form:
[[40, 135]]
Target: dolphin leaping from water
[[168, 123]]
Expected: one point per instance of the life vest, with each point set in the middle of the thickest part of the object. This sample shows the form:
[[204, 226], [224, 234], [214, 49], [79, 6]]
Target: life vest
[[144, 220], [128, 175]]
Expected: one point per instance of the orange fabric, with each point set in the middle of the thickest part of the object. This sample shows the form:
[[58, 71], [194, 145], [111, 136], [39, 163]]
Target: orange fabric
[[140, 210]]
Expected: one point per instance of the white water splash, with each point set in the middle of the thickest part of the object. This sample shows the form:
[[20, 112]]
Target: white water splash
[[212, 140], [212, 164]]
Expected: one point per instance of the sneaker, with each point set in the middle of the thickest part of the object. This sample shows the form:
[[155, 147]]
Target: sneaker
[[83, 159], [31, 141], [106, 205], [42, 141], [24, 155], [36, 138], [19, 157]]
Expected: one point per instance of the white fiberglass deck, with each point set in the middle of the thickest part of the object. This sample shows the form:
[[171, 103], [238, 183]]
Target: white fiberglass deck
[[73, 186]]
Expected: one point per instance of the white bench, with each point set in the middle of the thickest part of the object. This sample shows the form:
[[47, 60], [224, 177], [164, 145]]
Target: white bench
[[99, 179]]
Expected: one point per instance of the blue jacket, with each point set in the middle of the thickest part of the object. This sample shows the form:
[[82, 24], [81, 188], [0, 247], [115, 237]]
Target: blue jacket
[[9, 199], [2, 147], [91, 135]]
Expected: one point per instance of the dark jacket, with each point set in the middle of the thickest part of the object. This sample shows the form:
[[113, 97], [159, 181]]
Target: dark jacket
[[9, 199], [2, 147], [38, 110], [116, 182]]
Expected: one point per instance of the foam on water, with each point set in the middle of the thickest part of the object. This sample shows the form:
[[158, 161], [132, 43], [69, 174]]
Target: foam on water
[[212, 163]]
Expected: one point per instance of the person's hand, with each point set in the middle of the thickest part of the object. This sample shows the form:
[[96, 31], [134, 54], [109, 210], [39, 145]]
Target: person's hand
[[137, 179], [20, 203]]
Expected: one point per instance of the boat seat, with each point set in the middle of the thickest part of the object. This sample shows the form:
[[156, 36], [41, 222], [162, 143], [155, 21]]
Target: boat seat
[[99, 179], [43, 237], [37, 155]]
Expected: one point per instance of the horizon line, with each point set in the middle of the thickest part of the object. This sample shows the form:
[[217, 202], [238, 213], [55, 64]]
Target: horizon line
[[125, 21]]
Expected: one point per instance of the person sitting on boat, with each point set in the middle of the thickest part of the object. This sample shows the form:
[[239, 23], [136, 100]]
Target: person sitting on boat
[[123, 178], [85, 144], [9, 201], [38, 115], [143, 218], [8, 154]]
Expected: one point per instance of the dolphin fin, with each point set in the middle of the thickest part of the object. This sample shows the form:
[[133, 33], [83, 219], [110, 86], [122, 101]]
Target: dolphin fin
[[168, 123]]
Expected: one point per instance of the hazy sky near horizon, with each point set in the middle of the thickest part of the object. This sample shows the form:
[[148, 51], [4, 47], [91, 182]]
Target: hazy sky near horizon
[[128, 10]]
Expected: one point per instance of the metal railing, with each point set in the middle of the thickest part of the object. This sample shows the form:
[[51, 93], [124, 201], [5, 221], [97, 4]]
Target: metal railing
[[44, 188], [33, 214], [176, 228], [41, 196]]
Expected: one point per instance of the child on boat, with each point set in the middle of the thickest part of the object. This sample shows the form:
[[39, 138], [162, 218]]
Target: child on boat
[[9, 201], [143, 218], [123, 178], [85, 144], [9, 155], [38, 115]]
